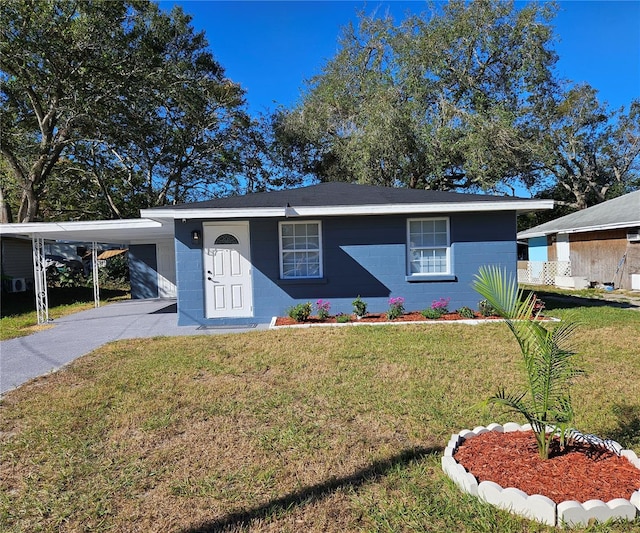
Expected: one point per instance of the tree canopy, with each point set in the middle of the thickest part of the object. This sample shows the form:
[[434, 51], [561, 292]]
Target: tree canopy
[[464, 97], [107, 107], [440, 101], [588, 153]]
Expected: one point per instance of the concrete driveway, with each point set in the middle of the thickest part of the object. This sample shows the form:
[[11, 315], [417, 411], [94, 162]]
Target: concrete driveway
[[74, 335]]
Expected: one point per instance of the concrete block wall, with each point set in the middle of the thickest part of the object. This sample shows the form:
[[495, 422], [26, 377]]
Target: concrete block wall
[[363, 256], [143, 271]]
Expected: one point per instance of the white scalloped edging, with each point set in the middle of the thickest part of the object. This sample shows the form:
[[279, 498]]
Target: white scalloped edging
[[536, 507], [467, 321]]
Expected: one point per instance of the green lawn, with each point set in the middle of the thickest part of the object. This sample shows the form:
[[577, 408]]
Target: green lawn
[[18, 316], [314, 430]]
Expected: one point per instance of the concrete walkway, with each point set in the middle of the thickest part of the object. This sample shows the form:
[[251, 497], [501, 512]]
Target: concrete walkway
[[25, 358]]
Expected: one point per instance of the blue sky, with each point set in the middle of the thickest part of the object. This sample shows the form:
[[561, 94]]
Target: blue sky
[[270, 48]]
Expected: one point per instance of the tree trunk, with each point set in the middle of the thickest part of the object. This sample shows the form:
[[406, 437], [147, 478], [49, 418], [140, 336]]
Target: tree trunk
[[6, 217], [29, 205], [581, 200]]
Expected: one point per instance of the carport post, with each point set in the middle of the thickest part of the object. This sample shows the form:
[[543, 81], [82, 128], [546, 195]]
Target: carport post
[[96, 283], [40, 279]]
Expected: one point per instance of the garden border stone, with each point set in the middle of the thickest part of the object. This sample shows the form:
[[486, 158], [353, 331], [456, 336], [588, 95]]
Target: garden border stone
[[467, 321], [536, 507]]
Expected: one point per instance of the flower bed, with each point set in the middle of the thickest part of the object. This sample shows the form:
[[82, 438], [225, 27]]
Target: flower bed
[[574, 487], [373, 318], [300, 314]]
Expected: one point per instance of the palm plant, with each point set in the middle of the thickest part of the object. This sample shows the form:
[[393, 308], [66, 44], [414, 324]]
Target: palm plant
[[548, 359]]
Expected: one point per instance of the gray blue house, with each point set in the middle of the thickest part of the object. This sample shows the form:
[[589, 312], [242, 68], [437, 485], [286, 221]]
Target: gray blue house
[[245, 259]]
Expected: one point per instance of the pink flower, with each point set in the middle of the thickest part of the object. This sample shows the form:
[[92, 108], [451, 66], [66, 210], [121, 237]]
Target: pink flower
[[442, 303]]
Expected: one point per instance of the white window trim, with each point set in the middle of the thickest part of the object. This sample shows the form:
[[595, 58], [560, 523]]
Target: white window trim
[[423, 275], [281, 251]]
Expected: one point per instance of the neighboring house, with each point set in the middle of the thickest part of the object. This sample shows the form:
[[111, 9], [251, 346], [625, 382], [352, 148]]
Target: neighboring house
[[16, 259], [245, 259], [601, 244]]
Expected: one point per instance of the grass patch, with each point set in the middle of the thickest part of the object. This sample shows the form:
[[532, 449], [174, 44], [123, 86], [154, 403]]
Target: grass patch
[[328, 429], [18, 316], [593, 294]]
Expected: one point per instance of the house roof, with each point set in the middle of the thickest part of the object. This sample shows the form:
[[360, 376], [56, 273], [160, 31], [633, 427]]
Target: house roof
[[339, 198], [325, 199], [620, 212]]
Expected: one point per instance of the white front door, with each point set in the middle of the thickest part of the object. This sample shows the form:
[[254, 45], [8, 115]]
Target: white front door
[[227, 270]]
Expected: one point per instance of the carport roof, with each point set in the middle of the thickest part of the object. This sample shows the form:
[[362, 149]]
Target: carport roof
[[125, 231]]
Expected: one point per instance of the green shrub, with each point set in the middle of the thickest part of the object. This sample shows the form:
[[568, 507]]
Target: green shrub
[[359, 307], [342, 319], [115, 273], [466, 312], [432, 314], [486, 309], [300, 312], [64, 277]]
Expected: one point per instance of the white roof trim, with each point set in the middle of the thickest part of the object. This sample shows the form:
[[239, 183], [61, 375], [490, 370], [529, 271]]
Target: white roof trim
[[177, 214], [525, 235], [393, 209], [89, 225], [346, 210], [135, 230]]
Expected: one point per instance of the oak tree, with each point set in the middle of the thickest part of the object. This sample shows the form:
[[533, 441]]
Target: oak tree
[[588, 152], [443, 100], [107, 107]]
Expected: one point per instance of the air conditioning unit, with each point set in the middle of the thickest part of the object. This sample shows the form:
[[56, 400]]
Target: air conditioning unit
[[16, 285], [633, 236]]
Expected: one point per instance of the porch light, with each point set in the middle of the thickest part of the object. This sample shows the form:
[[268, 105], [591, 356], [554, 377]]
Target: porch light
[[195, 236], [288, 211]]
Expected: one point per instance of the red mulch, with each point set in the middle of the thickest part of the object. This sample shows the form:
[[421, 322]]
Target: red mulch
[[371, 317], [579, 473]]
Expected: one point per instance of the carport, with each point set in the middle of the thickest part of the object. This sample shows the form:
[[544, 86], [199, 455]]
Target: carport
[[127, 231]]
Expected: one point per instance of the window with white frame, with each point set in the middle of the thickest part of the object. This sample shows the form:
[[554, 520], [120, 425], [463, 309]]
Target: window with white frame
[[300, 250], [428, 246]]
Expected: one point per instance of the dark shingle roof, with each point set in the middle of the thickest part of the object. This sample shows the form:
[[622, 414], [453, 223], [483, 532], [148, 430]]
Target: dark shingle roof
[[341, 194]]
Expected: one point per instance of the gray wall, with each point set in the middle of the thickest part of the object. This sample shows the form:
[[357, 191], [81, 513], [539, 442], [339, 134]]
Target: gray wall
[[363, 256], [143, 269], [16, 256]]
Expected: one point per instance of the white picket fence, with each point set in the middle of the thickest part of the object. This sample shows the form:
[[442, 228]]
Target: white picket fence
[[542, 272]]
